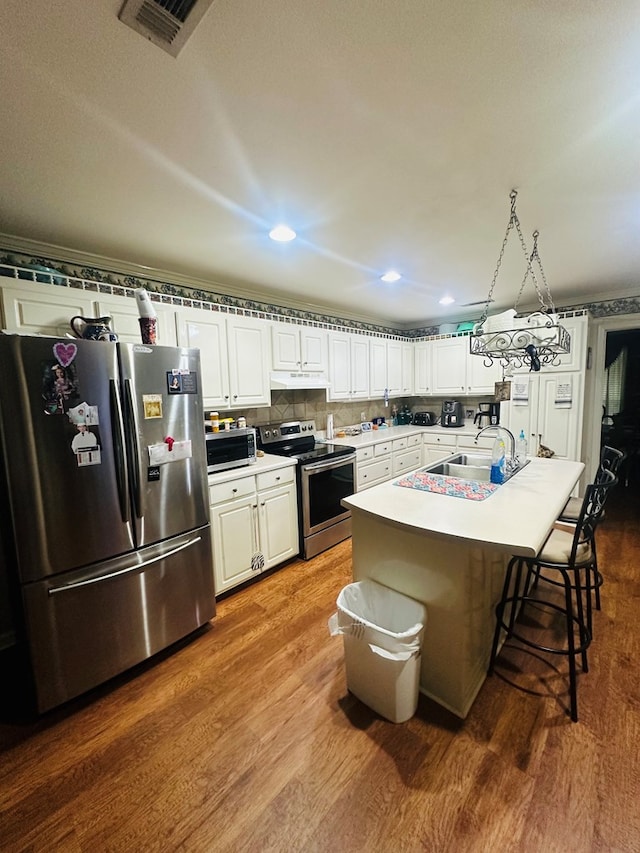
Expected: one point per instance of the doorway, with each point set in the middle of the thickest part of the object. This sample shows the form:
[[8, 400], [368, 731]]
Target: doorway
[[621, 400], [599, 331]]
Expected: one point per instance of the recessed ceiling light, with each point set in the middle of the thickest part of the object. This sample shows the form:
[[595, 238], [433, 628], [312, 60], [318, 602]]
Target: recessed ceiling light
[[446, 300], [391, 276], [282, 233]]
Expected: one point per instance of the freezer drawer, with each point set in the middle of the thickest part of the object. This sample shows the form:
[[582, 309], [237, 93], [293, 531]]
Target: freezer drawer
[[86, 626]]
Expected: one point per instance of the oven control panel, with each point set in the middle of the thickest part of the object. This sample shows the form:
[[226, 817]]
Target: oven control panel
[[288, 431]]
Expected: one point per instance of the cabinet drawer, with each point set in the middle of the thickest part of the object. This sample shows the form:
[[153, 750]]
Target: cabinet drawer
[[434, 438], [414, 440], [364, 453], [374, 472], [406, 461], [382, 449], [279, 477], [399, 444], [238, 488]]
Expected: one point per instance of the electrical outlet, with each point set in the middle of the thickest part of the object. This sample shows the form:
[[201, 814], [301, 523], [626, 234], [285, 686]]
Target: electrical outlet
[[363, 416]]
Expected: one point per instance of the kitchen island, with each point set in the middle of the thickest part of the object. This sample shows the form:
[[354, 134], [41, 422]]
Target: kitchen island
[[451, 553]]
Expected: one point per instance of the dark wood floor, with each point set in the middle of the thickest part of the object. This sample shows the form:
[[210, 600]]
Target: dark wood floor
[[246, 739]]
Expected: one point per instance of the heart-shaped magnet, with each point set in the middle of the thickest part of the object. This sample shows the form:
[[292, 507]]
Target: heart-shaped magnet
[[65, 353]]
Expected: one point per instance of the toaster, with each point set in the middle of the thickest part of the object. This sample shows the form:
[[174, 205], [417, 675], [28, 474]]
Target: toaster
[[424, 419]]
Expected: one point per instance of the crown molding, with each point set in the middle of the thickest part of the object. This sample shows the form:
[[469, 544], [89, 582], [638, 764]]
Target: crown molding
[[242, 291]]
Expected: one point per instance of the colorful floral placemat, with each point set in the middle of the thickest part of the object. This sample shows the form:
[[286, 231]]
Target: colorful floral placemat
[[455, 487]]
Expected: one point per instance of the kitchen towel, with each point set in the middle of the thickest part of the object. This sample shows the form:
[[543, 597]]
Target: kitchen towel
[[455, 487]]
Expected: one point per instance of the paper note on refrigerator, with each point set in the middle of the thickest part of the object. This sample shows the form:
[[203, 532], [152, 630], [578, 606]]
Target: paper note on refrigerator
[[159, 454]]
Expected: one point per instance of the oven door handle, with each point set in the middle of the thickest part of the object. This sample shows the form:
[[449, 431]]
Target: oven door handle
[[329, 463]]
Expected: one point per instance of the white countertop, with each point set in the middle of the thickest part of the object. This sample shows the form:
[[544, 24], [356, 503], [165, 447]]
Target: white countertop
[[365, 439], [516, 518], [268, 462]]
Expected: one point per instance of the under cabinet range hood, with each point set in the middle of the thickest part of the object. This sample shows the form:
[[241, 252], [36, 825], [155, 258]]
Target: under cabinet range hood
[[281, 379]]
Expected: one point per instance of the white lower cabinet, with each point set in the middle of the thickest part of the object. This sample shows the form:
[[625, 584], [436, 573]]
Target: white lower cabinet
[[373, 465], [379, 462], [436, 446], [277, 516], [406, 454], [254, 525]]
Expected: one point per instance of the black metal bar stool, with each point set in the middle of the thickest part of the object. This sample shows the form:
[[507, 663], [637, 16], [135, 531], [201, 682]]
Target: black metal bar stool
[[610, 460], [566, 561]]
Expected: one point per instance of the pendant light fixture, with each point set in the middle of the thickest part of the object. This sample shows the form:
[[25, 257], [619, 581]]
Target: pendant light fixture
[[530, 340]]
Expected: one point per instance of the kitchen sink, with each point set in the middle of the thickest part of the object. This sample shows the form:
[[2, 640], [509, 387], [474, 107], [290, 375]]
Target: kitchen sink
[[468, 467]]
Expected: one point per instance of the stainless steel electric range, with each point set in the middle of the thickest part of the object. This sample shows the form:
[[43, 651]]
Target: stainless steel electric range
[[325, 474]]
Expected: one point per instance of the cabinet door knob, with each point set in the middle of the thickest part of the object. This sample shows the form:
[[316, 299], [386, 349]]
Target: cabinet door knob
[[234, 491]]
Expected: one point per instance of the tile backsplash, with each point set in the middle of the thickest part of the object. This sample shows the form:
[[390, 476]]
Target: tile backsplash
[[301, 405]]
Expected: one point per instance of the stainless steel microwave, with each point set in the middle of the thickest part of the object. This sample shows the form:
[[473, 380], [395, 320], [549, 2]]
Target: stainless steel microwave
[[230, 449]]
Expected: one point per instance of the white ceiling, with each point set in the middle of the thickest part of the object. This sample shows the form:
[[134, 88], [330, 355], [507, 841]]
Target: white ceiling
[[388, 133]]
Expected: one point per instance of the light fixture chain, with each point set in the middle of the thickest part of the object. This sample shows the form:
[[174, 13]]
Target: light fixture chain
[[535, 252], [513, 219], [529, 269]]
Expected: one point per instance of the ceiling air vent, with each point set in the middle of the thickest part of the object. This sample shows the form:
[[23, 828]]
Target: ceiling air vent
[[167, 23]]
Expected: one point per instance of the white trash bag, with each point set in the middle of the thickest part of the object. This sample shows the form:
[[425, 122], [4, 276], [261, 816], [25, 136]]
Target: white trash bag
[[382, 632]]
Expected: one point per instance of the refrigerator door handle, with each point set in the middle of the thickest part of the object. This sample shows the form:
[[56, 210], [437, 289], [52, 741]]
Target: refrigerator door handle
[[117, 430], [135, 454], [56, 589]]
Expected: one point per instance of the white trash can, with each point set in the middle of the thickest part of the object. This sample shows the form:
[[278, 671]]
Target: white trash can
[[382, 632]]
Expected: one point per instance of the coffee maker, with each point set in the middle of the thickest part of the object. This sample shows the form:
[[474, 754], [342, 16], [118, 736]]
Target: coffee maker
[[488, 414], [451, 415]]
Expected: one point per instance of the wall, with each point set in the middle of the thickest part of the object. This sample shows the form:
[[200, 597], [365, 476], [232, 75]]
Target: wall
[[313, 405]]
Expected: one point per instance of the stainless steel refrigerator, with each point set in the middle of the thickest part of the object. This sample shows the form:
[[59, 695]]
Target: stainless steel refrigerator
[[105, 544]]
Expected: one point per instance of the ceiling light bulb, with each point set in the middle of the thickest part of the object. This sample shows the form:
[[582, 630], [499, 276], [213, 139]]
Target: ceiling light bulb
[[282, 233], [391, 276], [446, 300]]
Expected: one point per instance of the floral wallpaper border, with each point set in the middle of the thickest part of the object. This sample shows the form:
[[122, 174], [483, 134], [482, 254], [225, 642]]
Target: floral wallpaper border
[[30, 267]]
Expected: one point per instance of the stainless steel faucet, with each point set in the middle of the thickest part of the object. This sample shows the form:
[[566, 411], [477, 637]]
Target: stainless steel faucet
[[512, 462]]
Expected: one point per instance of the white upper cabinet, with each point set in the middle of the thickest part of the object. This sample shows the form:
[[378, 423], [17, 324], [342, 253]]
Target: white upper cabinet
[[576, 358], [348, 366], [378, 379], [450, 366], [40, 309], [234, 357], [423, 368], [248, 340], [407, 368], [456, 371], [47, 309], [481, 378], [299, 348], [399, 368], [391, 367], [125, 315], [207, 331]]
